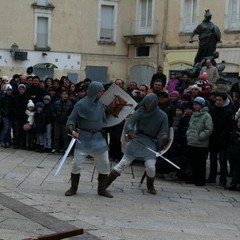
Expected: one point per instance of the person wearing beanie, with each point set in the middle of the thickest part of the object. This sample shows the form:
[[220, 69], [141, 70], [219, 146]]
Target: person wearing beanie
[[40, 126], [22, 86], [203, 82], [221, 115], [48, 110], [198, 133], [196, 91], [30, 111], [174, 98], [172, 83], [6, 113], [186, 98]]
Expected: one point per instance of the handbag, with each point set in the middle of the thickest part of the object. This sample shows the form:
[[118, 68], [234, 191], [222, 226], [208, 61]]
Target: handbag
[[27, 127]]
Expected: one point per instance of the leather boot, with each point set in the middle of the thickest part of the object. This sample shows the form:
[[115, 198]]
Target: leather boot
[[150, 185], [111, 177], [74, 185], [102, 179]]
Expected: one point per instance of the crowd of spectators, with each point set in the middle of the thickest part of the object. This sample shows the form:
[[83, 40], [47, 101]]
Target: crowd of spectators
[[34, 113]]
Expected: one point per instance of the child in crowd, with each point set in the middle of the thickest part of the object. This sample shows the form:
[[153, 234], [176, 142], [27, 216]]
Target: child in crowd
[[40, 126], [172, 83], [48, 109], [30, 120], [198, 133]]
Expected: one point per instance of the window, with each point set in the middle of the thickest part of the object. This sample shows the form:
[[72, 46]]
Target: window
[[42, 32], [144, 17], [189, 17], [42, 2], [42, 28], [233, 15], [143, 51], [107, 21]]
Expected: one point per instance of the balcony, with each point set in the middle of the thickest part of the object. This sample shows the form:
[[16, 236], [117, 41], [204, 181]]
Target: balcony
[[138, 28], [138, 32]]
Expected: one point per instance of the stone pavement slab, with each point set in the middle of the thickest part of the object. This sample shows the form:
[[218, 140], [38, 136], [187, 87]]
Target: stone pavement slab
[[178, 211]]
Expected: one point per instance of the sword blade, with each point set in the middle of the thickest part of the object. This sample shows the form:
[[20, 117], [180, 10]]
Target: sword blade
[[160, 155], [73, 140]]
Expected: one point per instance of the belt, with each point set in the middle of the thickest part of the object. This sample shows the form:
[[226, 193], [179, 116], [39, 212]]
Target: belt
[[92, 131]]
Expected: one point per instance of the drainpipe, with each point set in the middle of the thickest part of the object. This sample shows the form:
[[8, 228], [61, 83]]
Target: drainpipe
[[165, 23]]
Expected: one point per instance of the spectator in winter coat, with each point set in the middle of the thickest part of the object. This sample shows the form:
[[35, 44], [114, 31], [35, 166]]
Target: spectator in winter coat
[[172, 83], [222, 125], [40, 126], [61, 111], [6, 108], [20, 118], [198, 133], [48, 110]]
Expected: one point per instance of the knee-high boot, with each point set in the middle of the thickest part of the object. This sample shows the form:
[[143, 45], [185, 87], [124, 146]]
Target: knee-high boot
[[150, 185], [102, 179], [111, 177], [74, 185]]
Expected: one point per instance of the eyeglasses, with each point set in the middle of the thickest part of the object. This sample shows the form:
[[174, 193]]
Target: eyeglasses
[[46, 99]]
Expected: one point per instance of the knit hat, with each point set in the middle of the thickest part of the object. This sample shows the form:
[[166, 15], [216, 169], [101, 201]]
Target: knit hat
[[188, 106], [203, 76], [174, 94], [21, 86], [30, 104], [197, 87], [199, 100], [5, 78], [180, 106], [187, 97], [39, 105], [7, 87], [47, 97]]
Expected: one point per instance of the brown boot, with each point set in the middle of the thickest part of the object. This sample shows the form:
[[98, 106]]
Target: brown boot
[[111, 177], [102, 179], [74, 185], [150, 185]]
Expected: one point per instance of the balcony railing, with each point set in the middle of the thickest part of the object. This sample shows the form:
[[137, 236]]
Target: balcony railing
[[138, 28]]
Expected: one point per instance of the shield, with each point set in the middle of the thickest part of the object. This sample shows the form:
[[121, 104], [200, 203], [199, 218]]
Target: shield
[[217, 33], [118, 104]]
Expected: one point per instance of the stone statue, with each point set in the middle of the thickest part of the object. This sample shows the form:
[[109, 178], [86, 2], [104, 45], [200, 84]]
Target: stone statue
[[209, 36]]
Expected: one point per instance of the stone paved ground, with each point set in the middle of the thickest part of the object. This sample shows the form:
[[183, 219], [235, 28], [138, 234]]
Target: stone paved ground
[[32, 202]]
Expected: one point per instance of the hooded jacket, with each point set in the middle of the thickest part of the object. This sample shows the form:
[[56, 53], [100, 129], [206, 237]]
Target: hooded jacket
[[200, 128], [89, 114], [151, 126]]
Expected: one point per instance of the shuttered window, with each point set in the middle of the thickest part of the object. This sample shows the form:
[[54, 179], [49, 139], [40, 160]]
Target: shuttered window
[[233, 15], [42, 32], [107, 22], [189, 15]]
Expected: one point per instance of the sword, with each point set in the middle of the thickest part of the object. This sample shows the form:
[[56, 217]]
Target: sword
[[160, 155], [73, 140]]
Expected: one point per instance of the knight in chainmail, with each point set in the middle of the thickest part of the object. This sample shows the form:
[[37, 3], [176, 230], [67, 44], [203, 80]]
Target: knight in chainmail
[[86, 123], [148, 127]]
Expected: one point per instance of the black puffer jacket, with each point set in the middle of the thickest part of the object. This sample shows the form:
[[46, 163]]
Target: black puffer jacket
[[62, 110], [6, 105], [222, 126]]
